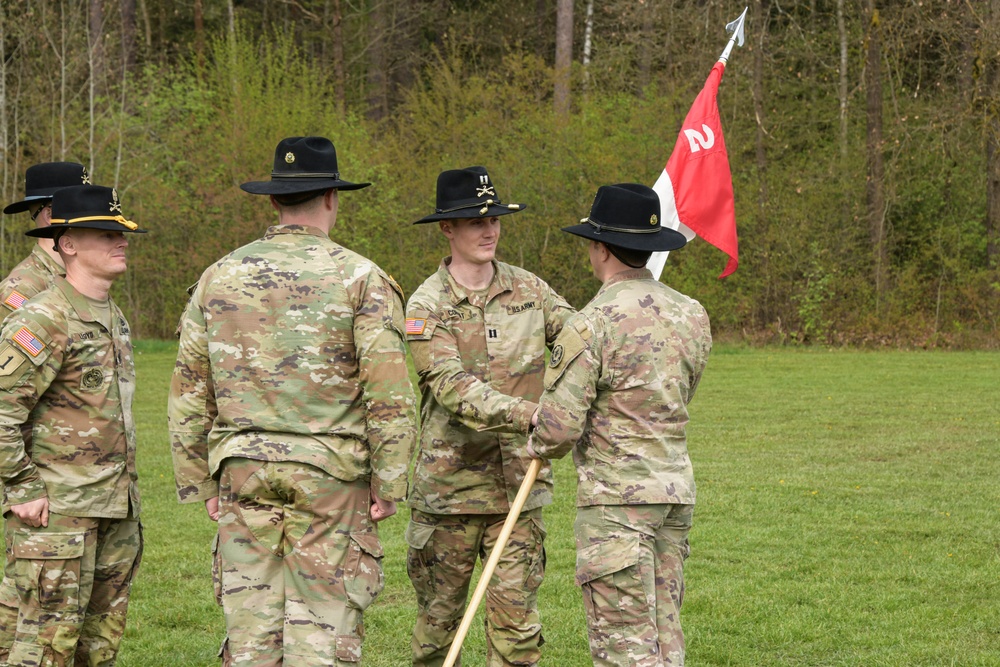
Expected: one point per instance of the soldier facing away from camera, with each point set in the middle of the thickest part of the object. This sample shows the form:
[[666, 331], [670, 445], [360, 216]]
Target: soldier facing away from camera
[[616, 392], [73, 535], [478, 330], [293, 419]]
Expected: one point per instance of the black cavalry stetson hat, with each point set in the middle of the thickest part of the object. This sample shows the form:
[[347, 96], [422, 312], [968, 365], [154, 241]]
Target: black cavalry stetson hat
[[302, 164], [87, 207], [42, 180], [468, 193], [627, 215]]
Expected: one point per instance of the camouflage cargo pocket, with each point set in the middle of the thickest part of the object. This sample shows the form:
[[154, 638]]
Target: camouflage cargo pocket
[[363, 577], [417, 567], [217, 569], [536, 569], [48, 568], [613, 590]]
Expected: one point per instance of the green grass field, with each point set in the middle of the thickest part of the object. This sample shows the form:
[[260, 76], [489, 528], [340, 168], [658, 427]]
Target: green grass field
[[847, 515]]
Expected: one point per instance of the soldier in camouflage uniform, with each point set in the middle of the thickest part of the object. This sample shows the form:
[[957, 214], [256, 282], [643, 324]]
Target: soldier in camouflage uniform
[[478, 330], [73, 536], [37, 271], [616, 392], [293, 419]]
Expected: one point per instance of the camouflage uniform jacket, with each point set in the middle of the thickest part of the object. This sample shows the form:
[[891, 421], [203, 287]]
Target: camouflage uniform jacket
[[480, 366], [292, 349], [76, 380], [617, 387], [34, 274]]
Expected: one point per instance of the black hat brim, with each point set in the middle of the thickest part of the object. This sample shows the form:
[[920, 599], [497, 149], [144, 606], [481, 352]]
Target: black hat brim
[[110, 225], [493, 211], [25, 204], [295, 186], [661, 241]]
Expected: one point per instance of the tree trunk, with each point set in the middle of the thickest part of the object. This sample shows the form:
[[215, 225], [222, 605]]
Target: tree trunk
[[199, 33], [647, 42], [147, 27], [338, 57], [96, 41], [992, 77], [842, 35], [765, 307], [588, 33], [378, 93], [564, 55], [128, 34], [874, 191]]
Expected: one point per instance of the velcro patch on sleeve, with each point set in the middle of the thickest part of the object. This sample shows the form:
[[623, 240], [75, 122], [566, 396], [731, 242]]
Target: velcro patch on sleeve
[[28, 342], [14, 300], [568, 347], [415, 326], [11, 361]]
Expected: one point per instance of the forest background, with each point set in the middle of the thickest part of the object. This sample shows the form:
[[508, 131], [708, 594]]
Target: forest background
[[863, 138]]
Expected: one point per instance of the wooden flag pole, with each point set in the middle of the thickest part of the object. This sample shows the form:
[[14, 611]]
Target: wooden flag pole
[[491, 564]]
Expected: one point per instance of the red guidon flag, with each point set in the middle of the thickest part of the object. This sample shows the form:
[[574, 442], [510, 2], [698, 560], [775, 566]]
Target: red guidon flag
[[696, 186]]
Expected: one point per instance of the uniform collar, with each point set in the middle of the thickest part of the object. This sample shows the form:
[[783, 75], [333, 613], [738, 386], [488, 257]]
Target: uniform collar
[[503, 281], [628, 274], [45, 259], [307, 230], [79, 302]]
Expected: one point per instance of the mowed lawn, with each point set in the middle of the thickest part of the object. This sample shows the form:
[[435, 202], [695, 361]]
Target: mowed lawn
[[847, 515]]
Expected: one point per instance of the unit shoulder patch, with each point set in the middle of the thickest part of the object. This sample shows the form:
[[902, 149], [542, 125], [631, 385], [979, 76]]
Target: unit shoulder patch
[[568, 346], [11, 361]]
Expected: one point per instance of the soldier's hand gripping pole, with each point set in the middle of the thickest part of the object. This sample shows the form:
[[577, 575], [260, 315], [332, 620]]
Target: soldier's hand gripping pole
[[484, 579]]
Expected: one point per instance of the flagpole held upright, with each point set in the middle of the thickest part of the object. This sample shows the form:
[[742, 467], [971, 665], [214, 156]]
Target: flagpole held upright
[[734, 28], [696, 186]]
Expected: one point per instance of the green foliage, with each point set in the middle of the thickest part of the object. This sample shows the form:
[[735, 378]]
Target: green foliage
[[179, 133]]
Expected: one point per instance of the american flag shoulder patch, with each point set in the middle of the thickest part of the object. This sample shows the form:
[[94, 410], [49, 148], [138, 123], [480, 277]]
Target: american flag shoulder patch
[[15, 300], [28, 342], [415, 325]]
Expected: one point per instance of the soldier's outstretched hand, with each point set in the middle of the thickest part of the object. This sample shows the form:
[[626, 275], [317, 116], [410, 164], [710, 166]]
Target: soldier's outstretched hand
[[35, 513]]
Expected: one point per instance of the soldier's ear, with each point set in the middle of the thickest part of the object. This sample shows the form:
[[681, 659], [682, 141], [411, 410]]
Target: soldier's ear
[[64, 242]]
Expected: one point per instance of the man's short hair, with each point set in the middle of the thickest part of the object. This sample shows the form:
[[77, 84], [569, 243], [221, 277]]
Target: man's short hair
[[299, 201], [634, 258]]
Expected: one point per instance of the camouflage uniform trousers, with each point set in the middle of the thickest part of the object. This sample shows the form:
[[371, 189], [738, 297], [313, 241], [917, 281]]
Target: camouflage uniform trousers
[[630, 567], [442, 556], [297, 561], [65, 592]]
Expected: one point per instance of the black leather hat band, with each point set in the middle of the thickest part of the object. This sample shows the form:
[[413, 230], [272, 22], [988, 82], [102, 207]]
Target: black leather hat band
[[621, 230], [291, 177]]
